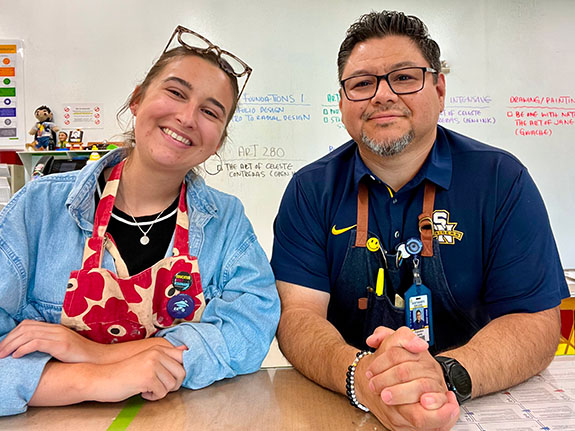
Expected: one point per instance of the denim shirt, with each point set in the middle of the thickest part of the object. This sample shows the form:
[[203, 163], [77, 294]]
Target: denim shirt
[[42, 234]]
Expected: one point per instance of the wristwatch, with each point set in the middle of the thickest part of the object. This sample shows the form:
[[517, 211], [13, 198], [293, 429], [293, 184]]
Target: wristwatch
[[456, 378]]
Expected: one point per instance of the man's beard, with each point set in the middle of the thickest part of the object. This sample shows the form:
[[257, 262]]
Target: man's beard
[[389, 147]]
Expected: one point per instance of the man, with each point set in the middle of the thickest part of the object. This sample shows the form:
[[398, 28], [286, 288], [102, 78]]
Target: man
[[456, 226], [418, 323]]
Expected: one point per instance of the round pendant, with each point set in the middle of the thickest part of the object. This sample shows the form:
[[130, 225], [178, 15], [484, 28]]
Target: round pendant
[[144, 240]]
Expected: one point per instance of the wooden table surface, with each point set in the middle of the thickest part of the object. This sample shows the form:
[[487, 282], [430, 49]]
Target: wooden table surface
[[272, 399]]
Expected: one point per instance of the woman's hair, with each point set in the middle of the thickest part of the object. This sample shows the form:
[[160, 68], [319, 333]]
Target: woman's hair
[[165, 59]]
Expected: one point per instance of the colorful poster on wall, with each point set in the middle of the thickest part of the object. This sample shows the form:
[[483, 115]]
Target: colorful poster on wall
[[11, 94]]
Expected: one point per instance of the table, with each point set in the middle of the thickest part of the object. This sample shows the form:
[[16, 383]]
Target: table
[[273, 399], [282, 399]]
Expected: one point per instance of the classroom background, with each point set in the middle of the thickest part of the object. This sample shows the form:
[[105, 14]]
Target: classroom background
[[508, 68]]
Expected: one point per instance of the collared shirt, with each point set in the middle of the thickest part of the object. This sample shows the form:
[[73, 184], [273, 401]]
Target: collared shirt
[[495, 240], [42, 234]]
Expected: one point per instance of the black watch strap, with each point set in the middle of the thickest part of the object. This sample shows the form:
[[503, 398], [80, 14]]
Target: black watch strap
[[456, 378]]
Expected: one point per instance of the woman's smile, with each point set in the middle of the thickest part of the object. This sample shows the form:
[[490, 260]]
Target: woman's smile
[[176, 136]]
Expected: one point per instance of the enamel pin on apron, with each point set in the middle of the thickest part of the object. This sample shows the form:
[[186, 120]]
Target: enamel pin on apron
[[418, 312]]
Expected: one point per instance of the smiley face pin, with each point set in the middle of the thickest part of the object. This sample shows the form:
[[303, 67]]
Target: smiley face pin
[[372, 244]]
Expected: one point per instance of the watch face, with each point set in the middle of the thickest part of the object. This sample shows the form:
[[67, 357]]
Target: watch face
[[461, 380], [457, 378]]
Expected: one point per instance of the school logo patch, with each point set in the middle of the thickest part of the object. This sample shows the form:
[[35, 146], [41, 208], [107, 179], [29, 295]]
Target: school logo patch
[[444, 230]]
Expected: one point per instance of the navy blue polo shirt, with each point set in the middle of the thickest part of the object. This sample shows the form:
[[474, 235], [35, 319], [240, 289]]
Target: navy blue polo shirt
[[496, 243]]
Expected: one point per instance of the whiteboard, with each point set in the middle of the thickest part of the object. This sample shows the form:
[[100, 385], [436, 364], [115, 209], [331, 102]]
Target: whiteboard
[[510, 81]]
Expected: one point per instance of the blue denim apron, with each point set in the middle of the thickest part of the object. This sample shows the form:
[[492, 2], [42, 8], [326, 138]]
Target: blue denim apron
[[360, 311]]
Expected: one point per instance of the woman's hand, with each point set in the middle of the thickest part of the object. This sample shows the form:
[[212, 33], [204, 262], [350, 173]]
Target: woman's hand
[[67, 345], [152, 367], [58, 341], [153, 373]]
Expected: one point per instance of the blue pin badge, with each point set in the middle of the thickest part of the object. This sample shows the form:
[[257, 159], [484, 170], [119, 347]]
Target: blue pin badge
[[180, 306]]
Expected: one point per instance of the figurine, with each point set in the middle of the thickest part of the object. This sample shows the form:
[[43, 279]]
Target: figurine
[[76, 137], [94, 156], [44, 130], [62, 141]]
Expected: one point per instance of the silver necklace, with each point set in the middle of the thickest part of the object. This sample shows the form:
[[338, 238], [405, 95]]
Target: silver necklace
[[145, 239], [135, 223], [144, 223]]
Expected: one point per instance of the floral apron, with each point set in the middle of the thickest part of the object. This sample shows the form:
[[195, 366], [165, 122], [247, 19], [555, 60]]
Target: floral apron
[[109, 308]]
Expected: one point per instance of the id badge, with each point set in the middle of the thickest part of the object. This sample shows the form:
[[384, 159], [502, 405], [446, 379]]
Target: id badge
[[418, 314]]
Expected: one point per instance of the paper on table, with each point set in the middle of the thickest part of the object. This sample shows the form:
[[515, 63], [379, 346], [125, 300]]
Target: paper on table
[[544, 402]]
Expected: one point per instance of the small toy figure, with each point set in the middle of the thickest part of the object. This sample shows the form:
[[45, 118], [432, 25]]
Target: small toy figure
[[76, 137], [94, 156], [62, 141], [44, 130]]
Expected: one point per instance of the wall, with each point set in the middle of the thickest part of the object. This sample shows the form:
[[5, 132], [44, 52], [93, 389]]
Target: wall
[[510, 81]]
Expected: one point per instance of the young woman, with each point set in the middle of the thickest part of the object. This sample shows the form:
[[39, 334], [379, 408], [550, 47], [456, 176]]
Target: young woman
[[131, 275]]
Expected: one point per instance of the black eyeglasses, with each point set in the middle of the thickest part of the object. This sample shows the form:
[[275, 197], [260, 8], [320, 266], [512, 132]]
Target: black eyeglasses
[[401, 81], [198, 43]]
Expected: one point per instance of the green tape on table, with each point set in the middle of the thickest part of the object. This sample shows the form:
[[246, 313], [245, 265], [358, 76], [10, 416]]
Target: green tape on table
[[127, 414]]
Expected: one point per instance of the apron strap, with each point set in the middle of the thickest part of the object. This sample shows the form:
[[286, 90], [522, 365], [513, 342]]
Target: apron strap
[[121, 267], [106, 204], [362, 215], [93, 247], [426, 220], [181, 236]]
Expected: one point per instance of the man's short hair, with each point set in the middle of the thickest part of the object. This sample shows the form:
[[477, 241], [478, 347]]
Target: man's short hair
[[388, 23]]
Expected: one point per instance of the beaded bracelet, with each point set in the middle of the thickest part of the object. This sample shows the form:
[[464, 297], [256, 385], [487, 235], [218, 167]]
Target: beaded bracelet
[[350, 381]]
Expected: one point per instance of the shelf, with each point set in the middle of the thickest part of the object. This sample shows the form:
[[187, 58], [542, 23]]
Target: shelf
[[30, 158]]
